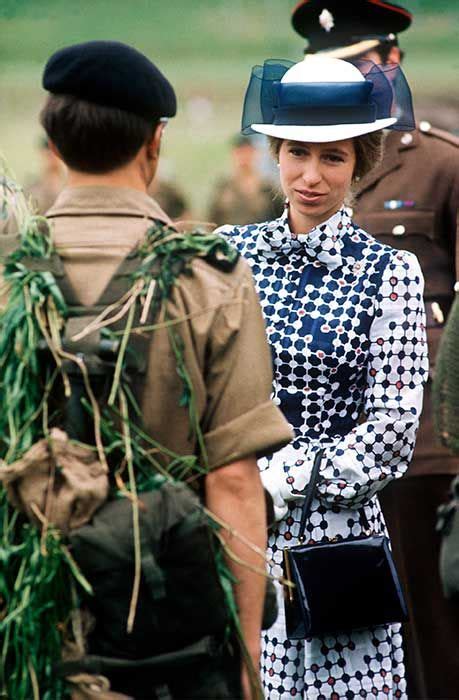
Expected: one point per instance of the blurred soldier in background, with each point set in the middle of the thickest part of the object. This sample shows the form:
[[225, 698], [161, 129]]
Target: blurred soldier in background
[[51, 180], [409, 202], [171, 199], [244, 196]]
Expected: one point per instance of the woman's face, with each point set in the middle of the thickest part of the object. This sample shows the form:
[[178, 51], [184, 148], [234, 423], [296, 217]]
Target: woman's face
[[315, 178]]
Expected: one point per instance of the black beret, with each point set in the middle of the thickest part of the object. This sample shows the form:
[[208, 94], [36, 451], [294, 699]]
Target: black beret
[[111, 74], [353, 20]]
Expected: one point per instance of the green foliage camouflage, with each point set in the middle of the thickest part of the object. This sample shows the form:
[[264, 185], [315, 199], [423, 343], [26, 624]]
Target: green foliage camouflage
[[40, 584]]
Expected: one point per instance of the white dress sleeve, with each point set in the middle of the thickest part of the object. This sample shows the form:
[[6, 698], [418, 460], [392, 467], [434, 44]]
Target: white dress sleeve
[[380, 447]]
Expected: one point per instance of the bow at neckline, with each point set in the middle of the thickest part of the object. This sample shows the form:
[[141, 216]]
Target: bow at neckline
[[323, 243]]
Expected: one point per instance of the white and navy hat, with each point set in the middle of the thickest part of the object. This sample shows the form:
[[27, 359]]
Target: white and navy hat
[[323, 99]]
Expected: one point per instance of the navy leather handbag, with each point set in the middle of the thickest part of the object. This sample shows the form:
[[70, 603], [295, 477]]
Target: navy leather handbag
[[339, 585]]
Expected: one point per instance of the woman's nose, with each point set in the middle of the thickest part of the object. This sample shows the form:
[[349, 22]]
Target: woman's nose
[[311, 173]]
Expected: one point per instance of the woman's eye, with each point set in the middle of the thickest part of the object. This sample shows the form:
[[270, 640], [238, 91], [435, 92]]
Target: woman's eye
[[299, 152], [334, 158]]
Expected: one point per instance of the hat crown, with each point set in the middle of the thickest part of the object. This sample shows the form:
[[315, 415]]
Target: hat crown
[[322, 69]]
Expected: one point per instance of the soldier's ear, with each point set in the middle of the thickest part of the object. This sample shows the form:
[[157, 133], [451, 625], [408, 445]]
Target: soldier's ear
[[154, 143], [395, 55], [53, 148]]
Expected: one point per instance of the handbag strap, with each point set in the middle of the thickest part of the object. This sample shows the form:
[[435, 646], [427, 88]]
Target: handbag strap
[[309, 495]]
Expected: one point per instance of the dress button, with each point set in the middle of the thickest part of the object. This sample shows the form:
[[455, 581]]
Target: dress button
[[398, 230], [406, 139]]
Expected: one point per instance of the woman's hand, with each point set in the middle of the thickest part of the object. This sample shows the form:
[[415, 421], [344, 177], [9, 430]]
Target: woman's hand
[[273, 481], [287, 479]]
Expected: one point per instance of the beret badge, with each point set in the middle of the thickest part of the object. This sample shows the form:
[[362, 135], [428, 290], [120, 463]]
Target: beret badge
[[326, 20]]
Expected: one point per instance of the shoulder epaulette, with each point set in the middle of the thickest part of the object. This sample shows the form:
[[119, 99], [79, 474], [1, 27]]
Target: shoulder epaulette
[[429, 130]]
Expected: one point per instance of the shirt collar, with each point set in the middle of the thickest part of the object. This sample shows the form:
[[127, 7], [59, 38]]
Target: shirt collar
[[323, 243], [101, 200]]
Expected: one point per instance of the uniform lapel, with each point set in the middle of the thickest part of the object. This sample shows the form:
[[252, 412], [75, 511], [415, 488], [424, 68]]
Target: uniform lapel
[[392, 160]]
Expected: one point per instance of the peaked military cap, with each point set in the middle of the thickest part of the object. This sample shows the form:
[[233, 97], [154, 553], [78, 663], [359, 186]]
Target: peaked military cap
[[111, 74], [329, 24]]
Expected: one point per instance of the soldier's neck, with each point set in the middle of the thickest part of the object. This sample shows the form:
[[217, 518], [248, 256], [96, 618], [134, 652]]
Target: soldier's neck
[[124, 177]]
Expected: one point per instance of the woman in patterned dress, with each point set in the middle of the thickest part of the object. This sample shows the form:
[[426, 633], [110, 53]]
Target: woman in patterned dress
[[345, 321]]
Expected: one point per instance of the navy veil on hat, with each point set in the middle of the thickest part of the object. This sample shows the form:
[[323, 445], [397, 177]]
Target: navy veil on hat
[[325, 99]]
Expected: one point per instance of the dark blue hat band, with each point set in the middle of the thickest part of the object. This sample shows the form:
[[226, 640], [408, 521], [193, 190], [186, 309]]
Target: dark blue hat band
[[382, 95], [320, 104], [322, 94], [324, 116]]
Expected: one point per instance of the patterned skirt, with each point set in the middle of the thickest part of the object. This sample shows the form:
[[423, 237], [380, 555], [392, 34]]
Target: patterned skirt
[[361, 664]]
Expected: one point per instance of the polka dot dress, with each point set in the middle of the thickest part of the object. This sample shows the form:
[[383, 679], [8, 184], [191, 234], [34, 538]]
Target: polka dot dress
[[345, 321]]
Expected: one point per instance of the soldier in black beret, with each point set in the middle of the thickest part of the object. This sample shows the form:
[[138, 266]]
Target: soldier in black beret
[[410, 201], [105, 116]]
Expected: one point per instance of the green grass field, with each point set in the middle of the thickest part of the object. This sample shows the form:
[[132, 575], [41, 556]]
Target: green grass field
[[206, 48]]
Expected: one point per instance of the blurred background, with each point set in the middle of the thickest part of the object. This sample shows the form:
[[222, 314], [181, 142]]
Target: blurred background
[[206, 48]]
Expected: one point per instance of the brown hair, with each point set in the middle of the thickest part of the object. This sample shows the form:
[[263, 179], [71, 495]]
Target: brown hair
[[368, 152], [93, 138]]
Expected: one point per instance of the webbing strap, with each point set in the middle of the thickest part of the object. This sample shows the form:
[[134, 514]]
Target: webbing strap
[[53, 265], [204, 648]]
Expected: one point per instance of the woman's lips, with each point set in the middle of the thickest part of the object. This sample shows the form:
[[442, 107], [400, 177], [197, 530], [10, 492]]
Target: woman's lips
[[309, 197]]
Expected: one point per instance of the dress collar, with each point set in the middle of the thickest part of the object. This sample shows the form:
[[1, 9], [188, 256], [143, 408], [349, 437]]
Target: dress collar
[[323, 243]]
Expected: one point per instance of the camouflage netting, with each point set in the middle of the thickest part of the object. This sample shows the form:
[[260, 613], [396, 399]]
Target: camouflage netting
[[40, 584]]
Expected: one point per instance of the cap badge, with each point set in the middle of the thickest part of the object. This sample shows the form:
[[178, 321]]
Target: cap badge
[[326, 20]]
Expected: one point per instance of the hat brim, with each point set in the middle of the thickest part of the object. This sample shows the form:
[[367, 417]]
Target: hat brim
[[321, 134]]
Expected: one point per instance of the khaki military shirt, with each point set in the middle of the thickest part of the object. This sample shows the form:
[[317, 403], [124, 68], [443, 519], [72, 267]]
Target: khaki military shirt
[[411, 202], [221, 325]]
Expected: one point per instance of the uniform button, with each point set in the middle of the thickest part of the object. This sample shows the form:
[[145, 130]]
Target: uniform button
[[406, 139], [456, 287], [398, 230], [425, 126]]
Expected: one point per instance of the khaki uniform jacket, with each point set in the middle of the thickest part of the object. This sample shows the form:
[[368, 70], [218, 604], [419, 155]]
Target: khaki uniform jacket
[[225, 347], [410, 202]]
